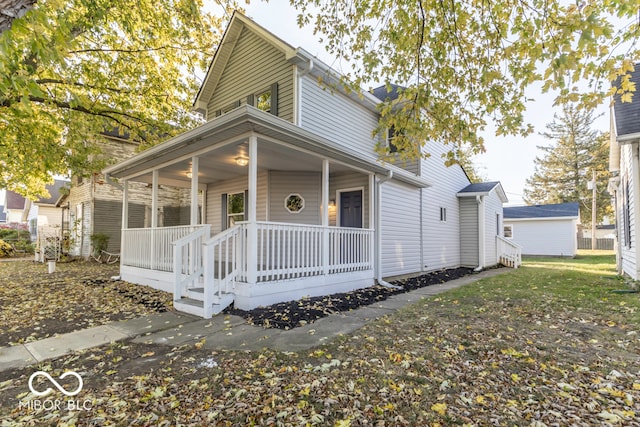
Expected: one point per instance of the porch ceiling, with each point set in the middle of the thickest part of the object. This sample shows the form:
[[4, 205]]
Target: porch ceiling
[[220, 164], [281, 146]]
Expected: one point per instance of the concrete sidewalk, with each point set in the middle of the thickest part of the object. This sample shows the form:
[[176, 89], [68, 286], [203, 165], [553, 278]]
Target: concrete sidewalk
[[221, 332]]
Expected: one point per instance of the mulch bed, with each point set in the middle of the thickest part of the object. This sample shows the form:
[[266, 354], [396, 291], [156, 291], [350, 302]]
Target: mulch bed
[[291, 314]]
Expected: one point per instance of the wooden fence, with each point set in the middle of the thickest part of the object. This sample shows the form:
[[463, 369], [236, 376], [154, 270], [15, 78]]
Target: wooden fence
[[606, 244]]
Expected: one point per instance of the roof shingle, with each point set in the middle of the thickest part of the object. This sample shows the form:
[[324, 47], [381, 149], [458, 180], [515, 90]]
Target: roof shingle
[[557, 210]]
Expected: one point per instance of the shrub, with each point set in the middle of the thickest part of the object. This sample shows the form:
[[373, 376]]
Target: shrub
[[13, 234], [5, 249], [100, 242], [25, 245]]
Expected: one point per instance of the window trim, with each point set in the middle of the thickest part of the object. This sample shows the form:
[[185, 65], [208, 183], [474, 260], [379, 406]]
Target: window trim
[[231, 214], [256, 99], [504, 231], [286, 204]]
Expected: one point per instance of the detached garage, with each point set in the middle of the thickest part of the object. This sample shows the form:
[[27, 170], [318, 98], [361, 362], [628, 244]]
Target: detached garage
[[544, 229]]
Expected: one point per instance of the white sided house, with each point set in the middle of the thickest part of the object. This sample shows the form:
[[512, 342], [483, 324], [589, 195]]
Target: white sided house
[[624, 185], [550, 230], [287, 196]]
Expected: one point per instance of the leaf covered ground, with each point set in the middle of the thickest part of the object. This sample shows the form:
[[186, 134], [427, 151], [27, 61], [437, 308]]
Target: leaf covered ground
[[547, 344], [35, 304]]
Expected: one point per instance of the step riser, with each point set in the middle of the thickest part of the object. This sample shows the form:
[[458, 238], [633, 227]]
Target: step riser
[[196, 307], [195, 294]]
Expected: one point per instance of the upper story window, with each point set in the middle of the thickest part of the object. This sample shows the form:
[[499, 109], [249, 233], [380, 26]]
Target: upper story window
[[392, 134], [266, 100], [263, 101], [443, 214]]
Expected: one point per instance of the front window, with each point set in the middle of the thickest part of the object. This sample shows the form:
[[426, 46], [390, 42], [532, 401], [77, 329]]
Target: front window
[[235, 209]]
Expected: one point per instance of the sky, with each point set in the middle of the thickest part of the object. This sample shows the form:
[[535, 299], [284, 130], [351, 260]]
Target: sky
[[509, 160]]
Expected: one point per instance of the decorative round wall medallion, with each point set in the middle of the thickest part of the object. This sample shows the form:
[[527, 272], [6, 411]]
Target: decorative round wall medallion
[[294, 203]]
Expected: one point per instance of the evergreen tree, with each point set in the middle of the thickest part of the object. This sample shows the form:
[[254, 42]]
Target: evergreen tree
[[562, 173]]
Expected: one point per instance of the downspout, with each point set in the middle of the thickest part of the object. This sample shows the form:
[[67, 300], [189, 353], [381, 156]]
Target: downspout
[[378, 234], [481, 234]]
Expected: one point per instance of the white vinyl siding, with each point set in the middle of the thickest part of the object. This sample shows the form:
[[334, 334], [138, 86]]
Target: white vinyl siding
[[306, 184], [400, 229], [252, 68], [554, 237], [468, 237], [441, 244], [334, 116], [492, 207], [627, 173]]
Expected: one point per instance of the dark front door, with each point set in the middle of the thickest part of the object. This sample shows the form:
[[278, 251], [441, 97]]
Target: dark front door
[[351, 209]]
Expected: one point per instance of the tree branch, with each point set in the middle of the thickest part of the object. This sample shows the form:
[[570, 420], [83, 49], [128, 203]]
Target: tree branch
[[63, 82], [114, 115]]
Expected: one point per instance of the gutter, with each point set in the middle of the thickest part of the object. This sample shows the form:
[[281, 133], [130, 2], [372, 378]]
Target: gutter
[[377, 236], [111, 182]]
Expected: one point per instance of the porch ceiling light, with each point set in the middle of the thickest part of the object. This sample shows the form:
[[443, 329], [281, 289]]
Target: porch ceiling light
[[189, 174], [242, 161]]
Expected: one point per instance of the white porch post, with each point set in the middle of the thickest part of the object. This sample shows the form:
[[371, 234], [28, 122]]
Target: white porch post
[[125, 220], [325, 216], [252, 230], [154, 216], [194, 190]]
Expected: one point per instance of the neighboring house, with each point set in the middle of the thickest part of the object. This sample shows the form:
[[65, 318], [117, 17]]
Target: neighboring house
[[13, 206], [284, 194], [624, 186], [93, 205], [603, 231], [544, 229], [3, 215], [46, 211]]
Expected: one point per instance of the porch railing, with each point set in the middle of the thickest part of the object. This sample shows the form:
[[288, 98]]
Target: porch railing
[[188, 265], [224, 262], [152, 248], [283, 251], [289, 251], [509, 253]]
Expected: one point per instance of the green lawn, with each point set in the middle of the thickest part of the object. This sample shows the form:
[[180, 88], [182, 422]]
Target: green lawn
[[547, 344]]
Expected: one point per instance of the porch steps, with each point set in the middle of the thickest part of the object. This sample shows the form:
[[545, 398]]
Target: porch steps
[[508, 261], [195, 293], [193, 303]]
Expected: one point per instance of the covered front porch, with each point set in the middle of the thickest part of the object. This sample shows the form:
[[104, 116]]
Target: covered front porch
[[266, 215]]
